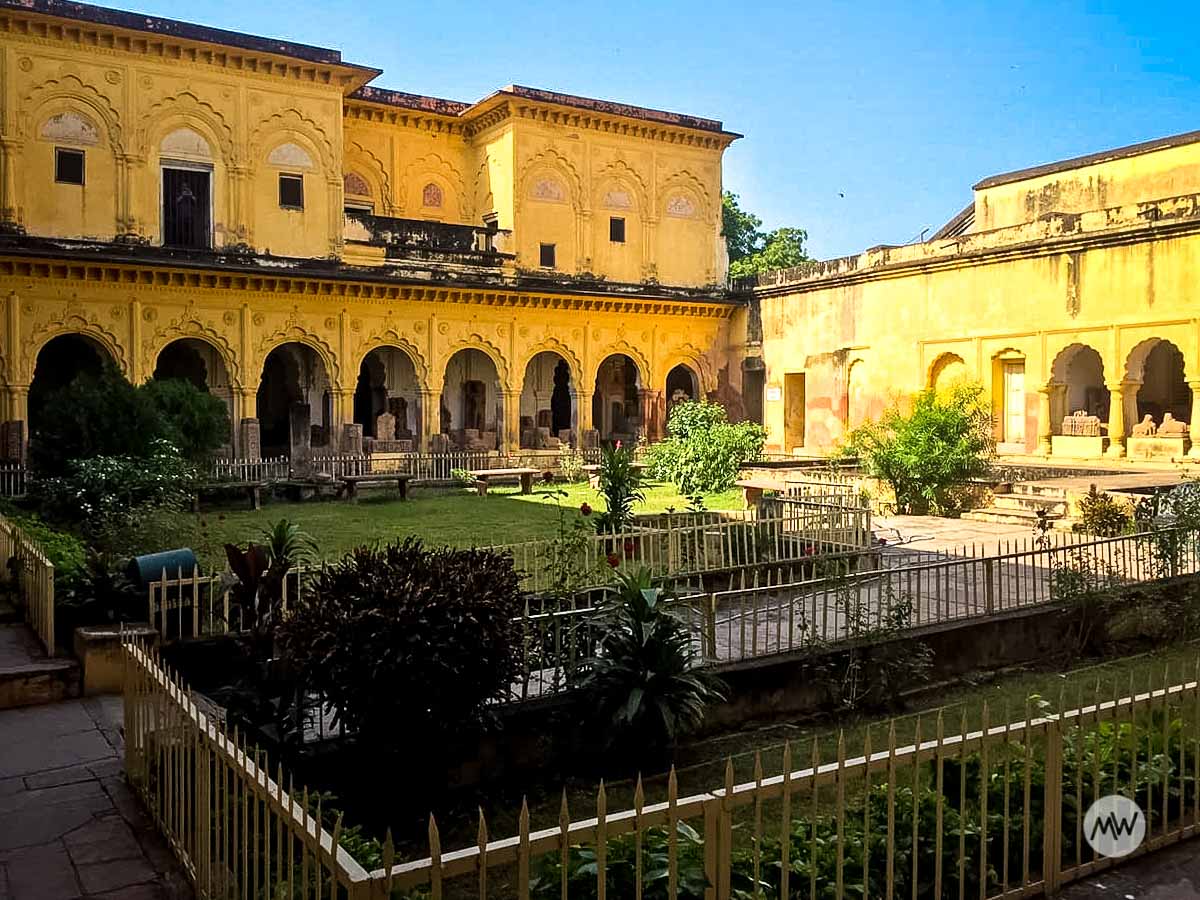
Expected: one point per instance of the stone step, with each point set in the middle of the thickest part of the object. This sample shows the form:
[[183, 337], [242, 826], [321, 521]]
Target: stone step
[[1031, 502], [27, 676], [1039, 489], [1006, 516]]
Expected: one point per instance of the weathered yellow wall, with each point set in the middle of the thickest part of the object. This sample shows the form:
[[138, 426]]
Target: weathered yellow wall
[[1170, 172], [867, 330], [128, 103], [244, 317]]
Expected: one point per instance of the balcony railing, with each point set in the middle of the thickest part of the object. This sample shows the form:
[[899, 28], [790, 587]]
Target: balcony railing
[[418, 237]]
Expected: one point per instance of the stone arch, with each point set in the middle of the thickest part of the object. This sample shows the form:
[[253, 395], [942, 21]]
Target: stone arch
[[189, 328], [484, 346], [436, 169], [944, 369], [473, 409], [294, 334], [692, 358], [553, 345], [555, 163], [59, 360], [391, 338], [1077, 382], [295, 371], [73, 323], [549, 401], [186, 110], [69, 93], [624, 348], [1158, 367], [618, 410], [390, 381]]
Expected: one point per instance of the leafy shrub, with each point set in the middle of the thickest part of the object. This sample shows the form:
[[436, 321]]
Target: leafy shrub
[[261, 570], [1103, 515], [942, 441], [642, 689], [703, 451], [621, 488], [462, 477], [403, 636], [101, 491], [66, 552], [570, 465], [195, 421]]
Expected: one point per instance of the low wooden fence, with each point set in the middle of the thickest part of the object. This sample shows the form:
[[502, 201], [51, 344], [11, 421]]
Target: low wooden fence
[[34, 575], [13, 479], [988, 807]]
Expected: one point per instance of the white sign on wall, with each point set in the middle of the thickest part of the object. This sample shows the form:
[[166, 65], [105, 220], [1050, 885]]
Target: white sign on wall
[[774, 393]]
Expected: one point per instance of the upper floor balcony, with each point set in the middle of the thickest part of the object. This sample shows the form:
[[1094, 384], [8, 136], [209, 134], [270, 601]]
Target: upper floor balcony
[[380, 240]]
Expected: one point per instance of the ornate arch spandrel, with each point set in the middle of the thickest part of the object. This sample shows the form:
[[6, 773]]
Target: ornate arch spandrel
[[188, 110], [692, 358], [63, 94], [620, 172], [297, 334], [291, 125], [550, 160], [432, 167], [189, 326], [476, 341], [72, 323], [390, 338], [622, 348], [557, 347]]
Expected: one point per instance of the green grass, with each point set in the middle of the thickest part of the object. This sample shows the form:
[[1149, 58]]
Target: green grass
[[458, 517]]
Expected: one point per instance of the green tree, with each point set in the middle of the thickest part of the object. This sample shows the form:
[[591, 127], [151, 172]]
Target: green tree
[[924, 451], [752, 250], [703, 450], [194, 420]]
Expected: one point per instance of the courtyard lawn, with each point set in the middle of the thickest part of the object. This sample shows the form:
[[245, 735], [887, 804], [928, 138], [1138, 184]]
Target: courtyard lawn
[[456, 516]]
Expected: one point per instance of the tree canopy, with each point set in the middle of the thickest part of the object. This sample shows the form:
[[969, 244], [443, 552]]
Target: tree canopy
[[752, 250]]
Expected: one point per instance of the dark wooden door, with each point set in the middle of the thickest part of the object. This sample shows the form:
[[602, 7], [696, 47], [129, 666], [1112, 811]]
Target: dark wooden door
[[186, 203]]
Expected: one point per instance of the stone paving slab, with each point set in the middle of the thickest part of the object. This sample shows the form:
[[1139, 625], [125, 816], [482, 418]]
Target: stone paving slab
[[70, 827], [1169, 874]]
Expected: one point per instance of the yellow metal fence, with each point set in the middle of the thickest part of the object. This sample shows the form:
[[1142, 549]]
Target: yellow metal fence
[[34, 575], [989, 807]]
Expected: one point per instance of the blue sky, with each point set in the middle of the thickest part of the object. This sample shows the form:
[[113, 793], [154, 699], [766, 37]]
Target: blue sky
[[865, 123]]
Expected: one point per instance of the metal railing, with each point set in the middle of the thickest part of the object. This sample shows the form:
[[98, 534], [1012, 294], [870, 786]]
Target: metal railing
[[237, 831], [13, 479], [34, 576], [679, 546], [919, 809]]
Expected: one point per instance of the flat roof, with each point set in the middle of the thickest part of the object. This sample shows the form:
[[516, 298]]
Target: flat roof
[[103, 15], [1078, 162]]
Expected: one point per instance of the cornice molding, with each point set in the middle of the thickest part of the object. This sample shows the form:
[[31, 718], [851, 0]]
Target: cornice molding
[[1052, 246], [95, 38], [138, 279]]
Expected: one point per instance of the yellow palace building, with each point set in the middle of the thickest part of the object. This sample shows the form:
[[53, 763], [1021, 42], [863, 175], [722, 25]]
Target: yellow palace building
[[253, 215], [534, 268], [1071, 291]]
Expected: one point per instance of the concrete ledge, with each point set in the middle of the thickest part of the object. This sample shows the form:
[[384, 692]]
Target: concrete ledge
[[98, 649], [37, 682]]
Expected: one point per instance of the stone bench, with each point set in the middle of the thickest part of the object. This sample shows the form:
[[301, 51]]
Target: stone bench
[[484, 477], [252, 490], [754, 488], [348, 484]]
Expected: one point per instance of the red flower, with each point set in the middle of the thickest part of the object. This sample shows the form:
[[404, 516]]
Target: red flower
[[586, 509], [612, 560]]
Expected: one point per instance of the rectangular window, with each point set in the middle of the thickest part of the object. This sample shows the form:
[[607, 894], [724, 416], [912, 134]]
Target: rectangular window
[[68, 166], [616, 230], [186, 205], [291, 191], [547, 256]]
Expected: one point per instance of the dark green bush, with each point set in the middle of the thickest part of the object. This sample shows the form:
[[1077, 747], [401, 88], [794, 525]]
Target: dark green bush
[[195, 421], [403, 637], [620, 486], [642, 692], [1102, 515]]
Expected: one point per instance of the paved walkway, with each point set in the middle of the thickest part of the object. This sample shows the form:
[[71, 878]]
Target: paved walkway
[[70, 827], [1171, 874]]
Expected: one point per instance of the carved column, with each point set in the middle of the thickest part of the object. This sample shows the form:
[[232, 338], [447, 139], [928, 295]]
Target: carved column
[[8, 181], [1116, 418], [18, 411], [1194, 423], [651, 409], [1045, 424], [336, 217], [585, 261], [343, 414], [649, 259], [509, 438], [431, 418]]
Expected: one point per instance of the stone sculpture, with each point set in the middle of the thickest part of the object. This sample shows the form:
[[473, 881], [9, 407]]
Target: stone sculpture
[[1146, 428]]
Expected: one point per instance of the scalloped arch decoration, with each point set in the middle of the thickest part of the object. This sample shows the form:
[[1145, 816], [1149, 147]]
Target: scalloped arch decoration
[[290, 126], [552, 345], [74, 323], [484, 346], [67, 94], [359, 160], [645, 371], [391, 337], [295, 334], [188, 110], [432, 168], [551, 161], [681, 187], [619, 173], [188, 327]]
